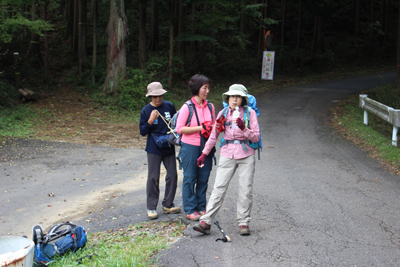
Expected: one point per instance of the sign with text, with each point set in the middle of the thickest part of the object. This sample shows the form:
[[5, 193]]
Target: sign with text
[[267, 72]]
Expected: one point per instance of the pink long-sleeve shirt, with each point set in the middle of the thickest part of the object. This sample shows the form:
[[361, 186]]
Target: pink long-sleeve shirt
[[204, 115], [235, 151]]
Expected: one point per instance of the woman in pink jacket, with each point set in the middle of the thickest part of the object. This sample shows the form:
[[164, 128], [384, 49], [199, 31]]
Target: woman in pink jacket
[[195, 131], [236, 155]]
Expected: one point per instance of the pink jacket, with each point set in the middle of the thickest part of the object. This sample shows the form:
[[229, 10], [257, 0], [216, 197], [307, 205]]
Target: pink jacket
[[235, 151], [204, 115]]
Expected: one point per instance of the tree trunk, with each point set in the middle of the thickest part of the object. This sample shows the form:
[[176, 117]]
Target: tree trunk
[[46, 46], [82, 45], [94, 59], [116, 50], [283, 22], [75, 37], [357, 28], [142, 34], [298, 35], [262, 28], [171, 53], [34, 47], [154, 26], [70, 19], [314, 35], [320, 35], [398, 50], [181, 47], [371, 31], [386, 28]]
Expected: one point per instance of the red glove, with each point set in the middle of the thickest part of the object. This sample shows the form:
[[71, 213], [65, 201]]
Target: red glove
[[201, 159], [220, 124], [240, 124], [207, 127]]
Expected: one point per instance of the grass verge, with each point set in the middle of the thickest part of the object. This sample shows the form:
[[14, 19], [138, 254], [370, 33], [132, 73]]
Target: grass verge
[[134, 245], [376, 137]]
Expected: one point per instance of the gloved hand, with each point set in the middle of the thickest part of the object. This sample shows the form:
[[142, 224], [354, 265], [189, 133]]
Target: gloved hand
[[220, 124], [201, 159], [240, 124], [207, 127]]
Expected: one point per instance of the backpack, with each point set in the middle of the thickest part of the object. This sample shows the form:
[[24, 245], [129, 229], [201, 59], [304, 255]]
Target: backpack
[[60, 239], [174, 137], [251, 105]]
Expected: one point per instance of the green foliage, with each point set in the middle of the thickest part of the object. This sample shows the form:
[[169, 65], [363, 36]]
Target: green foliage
[[131, 246], [8, 94], [17, 122], [9, 26], [378, 133], [131, 93]]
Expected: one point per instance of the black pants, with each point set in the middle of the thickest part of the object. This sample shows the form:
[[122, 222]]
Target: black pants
[[153, 180]]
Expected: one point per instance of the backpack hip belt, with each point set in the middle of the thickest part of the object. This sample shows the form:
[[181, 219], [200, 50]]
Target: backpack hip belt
[[243, 142]]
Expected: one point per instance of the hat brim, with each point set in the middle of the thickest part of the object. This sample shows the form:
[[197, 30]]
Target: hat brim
[[156, 93], [226, 95]]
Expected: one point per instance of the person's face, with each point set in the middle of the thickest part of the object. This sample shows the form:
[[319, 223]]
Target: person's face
[[156, 100], [235, 101], [203, 91]]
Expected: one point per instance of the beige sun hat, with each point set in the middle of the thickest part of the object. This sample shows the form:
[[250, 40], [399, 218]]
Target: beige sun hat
[[155, 89], [236, 89]]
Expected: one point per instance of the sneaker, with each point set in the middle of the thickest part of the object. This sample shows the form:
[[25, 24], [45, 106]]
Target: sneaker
[[202, 227], [152, 214], [203, 212], [244, 230], [195, 216], [171, 210]]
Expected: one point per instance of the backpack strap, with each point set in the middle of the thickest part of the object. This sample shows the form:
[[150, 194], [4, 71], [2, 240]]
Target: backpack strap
[[191, 106]]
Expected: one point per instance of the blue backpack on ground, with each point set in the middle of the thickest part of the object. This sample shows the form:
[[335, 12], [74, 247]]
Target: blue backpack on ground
[[251, 105], [61, 238], [174, 137]]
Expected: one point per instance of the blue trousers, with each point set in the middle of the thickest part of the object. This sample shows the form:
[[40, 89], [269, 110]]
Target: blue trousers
[[195, 179]]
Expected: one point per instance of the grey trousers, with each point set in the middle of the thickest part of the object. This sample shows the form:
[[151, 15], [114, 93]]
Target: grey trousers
[[153, 180], [226, 169]]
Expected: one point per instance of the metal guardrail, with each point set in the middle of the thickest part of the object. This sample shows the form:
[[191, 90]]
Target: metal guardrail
[[384, 112]]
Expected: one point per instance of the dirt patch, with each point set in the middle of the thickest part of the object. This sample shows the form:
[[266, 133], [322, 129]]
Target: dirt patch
[[69, 116]]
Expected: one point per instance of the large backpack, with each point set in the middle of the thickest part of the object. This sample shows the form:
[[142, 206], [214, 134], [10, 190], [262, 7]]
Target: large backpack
[[251, 105], [174, 137], [60, 239]]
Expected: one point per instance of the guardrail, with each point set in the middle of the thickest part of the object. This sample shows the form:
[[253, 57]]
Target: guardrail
[[384, 112]]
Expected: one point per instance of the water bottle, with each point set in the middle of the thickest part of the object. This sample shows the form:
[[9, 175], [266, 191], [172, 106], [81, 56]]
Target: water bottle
[[236, 114]]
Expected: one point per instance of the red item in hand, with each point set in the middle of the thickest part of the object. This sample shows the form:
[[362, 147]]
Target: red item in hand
[[207, 127], [240, 124], [220, 124], [200, 160]]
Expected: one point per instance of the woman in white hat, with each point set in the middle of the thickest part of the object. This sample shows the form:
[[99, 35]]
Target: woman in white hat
[[236, 154], [152, 125]]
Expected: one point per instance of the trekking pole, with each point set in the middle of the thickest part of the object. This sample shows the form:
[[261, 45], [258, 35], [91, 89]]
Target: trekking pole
[[224, 238]]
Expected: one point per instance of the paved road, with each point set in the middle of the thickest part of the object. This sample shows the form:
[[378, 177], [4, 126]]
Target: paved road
[[318, 199]]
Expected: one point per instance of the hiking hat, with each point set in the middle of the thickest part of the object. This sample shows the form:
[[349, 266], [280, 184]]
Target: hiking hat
[[236, 89], [155, 89]]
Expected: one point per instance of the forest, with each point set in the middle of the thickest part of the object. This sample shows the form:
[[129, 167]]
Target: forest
[[116, 47]]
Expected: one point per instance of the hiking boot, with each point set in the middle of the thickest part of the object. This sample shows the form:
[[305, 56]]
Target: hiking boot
[[152, 214], [244, 230], [203, 212], [202, 227], [195, 216], [171, 210]]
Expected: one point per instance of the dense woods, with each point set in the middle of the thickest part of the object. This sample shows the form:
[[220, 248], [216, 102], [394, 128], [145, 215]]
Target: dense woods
[[102, 42]]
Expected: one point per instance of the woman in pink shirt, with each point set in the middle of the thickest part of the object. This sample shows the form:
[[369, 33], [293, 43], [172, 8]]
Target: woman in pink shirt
[[195, 123], [236, 154]]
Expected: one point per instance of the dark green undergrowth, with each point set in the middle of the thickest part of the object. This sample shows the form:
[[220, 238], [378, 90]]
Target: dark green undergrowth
[[18, 121], [376, 137]]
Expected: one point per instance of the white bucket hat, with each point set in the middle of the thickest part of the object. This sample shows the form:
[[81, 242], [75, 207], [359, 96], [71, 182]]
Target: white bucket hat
[[236, 89], [155, 89]]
